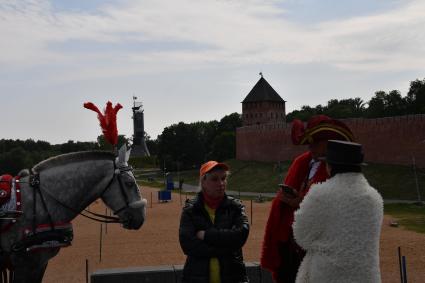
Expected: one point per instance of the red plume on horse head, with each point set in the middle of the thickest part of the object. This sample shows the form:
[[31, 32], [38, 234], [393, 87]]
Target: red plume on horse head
[[108, 120]]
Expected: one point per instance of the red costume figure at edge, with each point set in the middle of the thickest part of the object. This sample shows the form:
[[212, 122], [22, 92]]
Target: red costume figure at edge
[[280, 254]]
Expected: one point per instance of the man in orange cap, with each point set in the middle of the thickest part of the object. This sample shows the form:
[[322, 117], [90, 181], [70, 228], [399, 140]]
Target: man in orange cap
[[280, 254], [213, 229]]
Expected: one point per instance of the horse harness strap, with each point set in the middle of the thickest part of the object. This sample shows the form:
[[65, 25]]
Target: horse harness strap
[[124, 194], [45, 238], [11, 211], [35, 184], [117, 172]]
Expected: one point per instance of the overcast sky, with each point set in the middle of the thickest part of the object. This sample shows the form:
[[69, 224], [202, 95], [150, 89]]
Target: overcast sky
[[194, 60]]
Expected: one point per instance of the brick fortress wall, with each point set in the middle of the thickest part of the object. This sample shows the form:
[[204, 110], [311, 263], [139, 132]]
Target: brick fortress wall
[[392, 140]]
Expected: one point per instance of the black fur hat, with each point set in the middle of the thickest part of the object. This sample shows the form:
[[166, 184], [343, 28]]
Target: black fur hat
[[344, 153]]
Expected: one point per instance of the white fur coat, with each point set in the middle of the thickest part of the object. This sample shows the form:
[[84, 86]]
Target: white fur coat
[[339, 226]]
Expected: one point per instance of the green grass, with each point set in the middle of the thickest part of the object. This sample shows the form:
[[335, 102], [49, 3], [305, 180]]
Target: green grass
[[395, 181], [410, 216], [253, 176], [190, 176], [247, 176], [392, 181], [153, 184]]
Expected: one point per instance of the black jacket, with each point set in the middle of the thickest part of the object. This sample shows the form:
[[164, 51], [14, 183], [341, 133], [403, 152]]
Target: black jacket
[[223, 239]]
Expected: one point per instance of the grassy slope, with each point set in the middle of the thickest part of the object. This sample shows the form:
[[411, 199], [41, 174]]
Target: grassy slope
[[410, 216], [395, 181], [392, 181]]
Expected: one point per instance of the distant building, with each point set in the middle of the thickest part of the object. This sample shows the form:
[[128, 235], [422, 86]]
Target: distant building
[[139, 147], [263, 105]]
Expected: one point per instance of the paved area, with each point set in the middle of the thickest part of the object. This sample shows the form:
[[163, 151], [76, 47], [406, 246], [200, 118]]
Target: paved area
[[191, 188]]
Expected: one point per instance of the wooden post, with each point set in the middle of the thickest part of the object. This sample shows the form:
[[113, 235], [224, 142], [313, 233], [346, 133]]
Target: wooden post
[[403, 260], [100, 243], [87, 270], [400, 265], [251, 214], [106, 224]]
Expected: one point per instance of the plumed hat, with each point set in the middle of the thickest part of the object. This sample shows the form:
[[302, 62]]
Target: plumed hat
[[319, 127]]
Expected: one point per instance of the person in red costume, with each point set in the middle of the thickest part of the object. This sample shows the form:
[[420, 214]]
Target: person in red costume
[[280, 254]]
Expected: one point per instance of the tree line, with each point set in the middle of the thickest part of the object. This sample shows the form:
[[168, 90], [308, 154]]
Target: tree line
[[187, 145], [382, 104], [180, 146], [16, 155]]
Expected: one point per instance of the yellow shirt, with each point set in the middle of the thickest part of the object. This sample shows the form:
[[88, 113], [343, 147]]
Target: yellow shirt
[[214, 264]]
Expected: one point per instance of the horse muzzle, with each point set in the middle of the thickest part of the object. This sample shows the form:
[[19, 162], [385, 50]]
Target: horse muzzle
[[133, 216]]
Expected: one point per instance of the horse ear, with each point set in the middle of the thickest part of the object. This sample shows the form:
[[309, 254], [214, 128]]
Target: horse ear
[[127, 155], [122, 154]]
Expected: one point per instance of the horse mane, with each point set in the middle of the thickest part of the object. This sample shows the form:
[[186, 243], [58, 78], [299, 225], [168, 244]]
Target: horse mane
[[71, 158]]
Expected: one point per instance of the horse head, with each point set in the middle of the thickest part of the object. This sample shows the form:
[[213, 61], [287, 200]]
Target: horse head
[[123, 195]]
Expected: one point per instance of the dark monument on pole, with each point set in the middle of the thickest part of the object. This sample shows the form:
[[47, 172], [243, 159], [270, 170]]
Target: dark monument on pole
[[139, 147]]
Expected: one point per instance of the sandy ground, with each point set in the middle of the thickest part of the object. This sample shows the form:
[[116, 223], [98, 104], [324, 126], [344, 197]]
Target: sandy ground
[[156, 243]]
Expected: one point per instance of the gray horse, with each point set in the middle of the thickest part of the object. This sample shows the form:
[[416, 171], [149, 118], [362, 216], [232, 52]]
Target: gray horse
[[53, 194]]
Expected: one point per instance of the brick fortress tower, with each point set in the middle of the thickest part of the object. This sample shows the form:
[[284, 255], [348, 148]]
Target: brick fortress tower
[[263, 105], [139, 147]]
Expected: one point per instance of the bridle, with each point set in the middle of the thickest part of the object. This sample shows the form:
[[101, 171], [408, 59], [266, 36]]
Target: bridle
[[118, 171]]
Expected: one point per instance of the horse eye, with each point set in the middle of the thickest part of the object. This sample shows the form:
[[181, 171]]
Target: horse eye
[[129, 183]]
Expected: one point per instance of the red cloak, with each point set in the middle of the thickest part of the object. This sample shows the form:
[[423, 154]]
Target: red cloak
[[281, 217]]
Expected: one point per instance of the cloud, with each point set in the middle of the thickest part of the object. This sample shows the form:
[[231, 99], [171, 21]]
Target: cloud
[[390, 41], [207, 34]]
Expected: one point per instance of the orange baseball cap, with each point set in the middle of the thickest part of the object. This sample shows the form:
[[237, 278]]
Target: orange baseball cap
[[208, 166]]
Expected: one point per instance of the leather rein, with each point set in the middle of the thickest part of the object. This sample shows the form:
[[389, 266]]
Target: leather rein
[[35, 184]]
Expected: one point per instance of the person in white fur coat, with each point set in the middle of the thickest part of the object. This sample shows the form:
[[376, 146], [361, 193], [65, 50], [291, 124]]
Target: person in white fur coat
[[339, 222]]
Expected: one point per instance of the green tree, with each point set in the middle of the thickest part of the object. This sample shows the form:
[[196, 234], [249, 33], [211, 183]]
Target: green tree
[[224, 146], [415, 99], [179, 143], [387, 105], [71, 146], [304, 114], [377, 105], [13, 161], [395, 105], [186, 144], [336, 109], [230, 122], [152, 145], [344, 108], [102, 144]]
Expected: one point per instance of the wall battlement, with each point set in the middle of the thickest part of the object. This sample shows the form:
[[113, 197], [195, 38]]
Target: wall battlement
[[389, 140]]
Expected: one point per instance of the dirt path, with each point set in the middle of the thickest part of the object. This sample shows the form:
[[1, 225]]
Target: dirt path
[[156, 243]]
